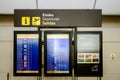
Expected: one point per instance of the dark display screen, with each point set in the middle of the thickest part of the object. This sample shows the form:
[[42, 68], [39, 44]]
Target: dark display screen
[[88, 48], [27, 53], [58, 53]]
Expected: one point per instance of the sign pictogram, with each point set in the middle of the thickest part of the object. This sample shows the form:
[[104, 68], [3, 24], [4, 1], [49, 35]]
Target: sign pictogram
[[25, 21], [36, 20]]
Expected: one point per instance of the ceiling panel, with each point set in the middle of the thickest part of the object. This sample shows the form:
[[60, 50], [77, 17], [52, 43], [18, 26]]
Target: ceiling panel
[[82, 4], [53, 4], [109, 7], [8, 6], [66, 4]]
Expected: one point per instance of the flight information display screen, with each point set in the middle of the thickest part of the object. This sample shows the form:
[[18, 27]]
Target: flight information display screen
[[58, 53], [88, 48], [27, 54]]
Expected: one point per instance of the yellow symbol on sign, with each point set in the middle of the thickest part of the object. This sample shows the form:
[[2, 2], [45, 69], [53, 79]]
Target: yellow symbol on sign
[[36, 20], [25, 20]]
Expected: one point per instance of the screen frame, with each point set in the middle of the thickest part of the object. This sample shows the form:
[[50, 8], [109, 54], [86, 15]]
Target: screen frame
[[45, 53], [100, 64], [39, 53]]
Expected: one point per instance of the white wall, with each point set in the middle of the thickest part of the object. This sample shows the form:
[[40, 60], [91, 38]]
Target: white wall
[[111, 45]]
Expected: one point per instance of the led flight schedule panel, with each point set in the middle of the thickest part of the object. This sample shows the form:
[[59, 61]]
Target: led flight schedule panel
[[57, 53], [88, 56], [27, 53]]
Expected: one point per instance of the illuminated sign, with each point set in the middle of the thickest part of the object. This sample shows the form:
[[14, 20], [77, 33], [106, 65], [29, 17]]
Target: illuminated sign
[[57, 18]]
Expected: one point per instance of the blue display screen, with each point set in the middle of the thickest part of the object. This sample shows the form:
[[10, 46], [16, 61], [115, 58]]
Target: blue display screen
[[27, 53], [58, 53]]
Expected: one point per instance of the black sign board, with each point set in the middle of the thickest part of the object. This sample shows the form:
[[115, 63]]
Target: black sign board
[[57, 18], [88, 55]]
